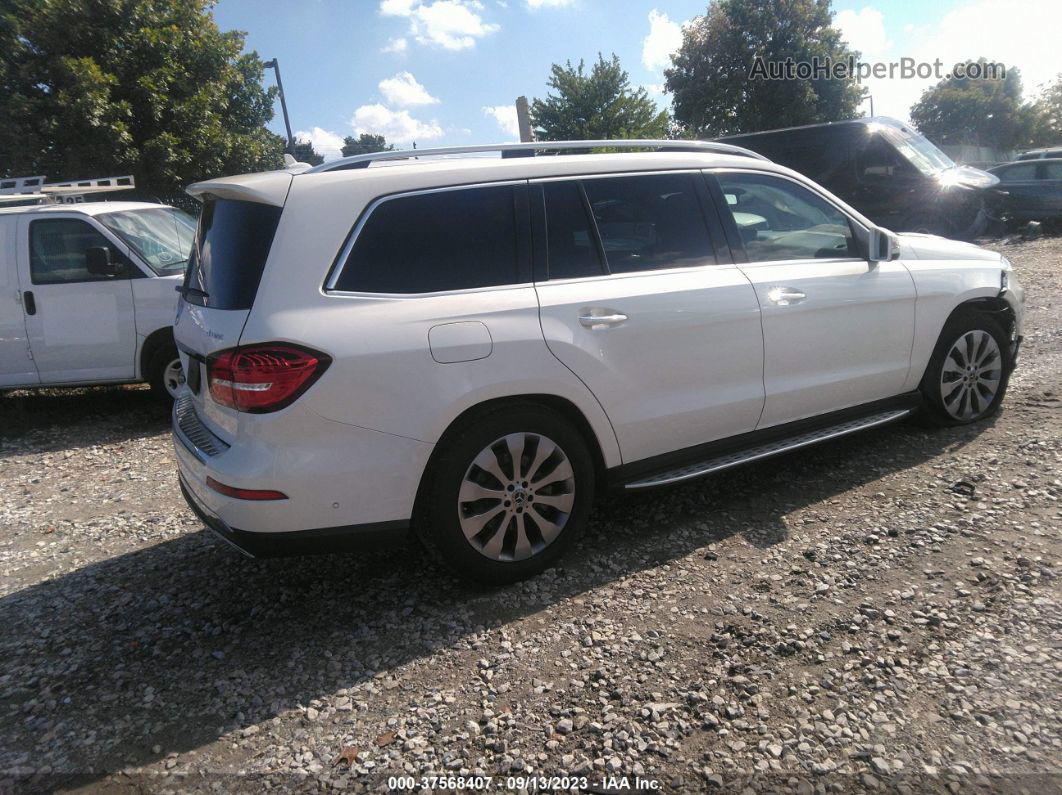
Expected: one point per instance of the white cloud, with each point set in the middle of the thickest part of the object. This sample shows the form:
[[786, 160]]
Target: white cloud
[[998, 30], [450, 24], [864, 30], [398, 45], [325, 142], [665, 37], [404, 91], [505, 115], [548, 3], [395, 125]]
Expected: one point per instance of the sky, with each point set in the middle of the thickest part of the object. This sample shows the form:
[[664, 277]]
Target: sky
[[446, 72]]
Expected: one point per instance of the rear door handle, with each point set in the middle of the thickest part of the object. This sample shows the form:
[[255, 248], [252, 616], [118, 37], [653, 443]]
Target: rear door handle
[[595, 319], [29, 303], [784, 296]]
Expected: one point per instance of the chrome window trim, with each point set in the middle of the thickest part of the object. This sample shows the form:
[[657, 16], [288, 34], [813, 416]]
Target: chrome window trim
[[340, 262]]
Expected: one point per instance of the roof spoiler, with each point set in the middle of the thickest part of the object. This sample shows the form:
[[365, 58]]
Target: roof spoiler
[[269, 187]]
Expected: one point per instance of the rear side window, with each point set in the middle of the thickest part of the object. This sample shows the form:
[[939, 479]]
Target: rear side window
[[572, 248], [230, 250], [1052, 169], [650, 222], [429, 242], [1021, 173]]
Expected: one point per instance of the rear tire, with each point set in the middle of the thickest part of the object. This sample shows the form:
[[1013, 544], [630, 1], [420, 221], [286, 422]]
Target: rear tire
[[164, 372], [507, 495], [968, 373]]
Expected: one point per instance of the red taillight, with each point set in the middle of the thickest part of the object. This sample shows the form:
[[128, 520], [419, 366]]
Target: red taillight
[[265, 377], [245, 494]]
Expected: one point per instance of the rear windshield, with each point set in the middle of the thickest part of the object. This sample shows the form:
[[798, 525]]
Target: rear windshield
[[230, 250]]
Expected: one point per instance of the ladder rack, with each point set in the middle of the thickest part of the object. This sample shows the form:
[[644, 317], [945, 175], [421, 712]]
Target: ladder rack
[[18, 189]]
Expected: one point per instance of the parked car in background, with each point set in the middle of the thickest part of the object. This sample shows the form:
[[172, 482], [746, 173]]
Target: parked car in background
[[475, 345], [1029, 190], [886, 170], [1040, 154], [87, 294]]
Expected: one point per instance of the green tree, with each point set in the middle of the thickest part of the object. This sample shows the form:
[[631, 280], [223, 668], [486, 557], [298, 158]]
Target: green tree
[[598, 105], [365, 144], [713, 83], [1048, 110], [305, 153], [977, 111], [92, 88]]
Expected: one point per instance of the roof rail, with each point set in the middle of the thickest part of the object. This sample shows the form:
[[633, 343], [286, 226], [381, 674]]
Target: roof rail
[[16, 189], [531, 148]]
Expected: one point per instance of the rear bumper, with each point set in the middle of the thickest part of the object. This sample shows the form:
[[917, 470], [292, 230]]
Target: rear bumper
[[344, 485], [298, 542]]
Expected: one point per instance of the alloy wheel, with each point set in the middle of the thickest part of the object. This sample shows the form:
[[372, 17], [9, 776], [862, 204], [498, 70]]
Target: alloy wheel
[[971, 375], [173, 377], [516, 497]]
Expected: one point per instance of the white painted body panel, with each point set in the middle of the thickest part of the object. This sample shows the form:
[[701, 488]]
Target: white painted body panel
[[686, 367], [848, 342], [16, 363]]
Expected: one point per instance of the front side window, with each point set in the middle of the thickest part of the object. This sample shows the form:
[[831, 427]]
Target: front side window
[[650, 222], [59, 251], [430, 242], [1022, 173], [780, 220], [161, 236]]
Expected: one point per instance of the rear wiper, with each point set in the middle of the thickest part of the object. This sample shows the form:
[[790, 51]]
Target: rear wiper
[[186, 291]]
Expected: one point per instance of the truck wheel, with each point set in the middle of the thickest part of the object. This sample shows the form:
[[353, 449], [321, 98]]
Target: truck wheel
[[968, 373], [508, 495], [164, 373]]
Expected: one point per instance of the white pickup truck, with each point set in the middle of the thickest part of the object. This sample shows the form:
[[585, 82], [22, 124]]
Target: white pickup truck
[[87, 294]]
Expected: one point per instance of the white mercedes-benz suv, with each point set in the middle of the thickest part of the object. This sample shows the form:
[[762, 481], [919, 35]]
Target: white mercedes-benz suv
[[476, 346]]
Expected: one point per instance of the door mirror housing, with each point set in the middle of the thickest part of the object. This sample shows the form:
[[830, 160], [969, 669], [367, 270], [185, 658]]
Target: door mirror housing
[[99, 262], [884, 245]]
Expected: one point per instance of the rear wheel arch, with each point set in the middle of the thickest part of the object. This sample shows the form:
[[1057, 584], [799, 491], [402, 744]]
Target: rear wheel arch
[[152, 343], [560, 406]]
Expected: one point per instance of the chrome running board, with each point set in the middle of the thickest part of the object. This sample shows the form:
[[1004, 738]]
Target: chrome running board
[[767, 450]]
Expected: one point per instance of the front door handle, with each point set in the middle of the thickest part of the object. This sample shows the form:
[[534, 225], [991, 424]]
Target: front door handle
[[784, 296], [29, 303], [595, 319]]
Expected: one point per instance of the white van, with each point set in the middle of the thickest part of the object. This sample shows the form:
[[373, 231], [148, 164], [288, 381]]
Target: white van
[[87, 294]]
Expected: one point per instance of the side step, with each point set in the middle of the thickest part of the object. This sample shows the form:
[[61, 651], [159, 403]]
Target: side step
[[767, 450]]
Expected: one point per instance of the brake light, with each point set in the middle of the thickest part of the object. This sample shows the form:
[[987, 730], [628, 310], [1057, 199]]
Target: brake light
[[264, 377]]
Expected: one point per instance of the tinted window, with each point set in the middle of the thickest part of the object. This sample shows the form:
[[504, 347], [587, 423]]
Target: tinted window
[[1021, 173], [572, 248], [57, 251], [649, 222], [780, 220], [1052, 169], [229, 253], [447, 240], [879, 159]]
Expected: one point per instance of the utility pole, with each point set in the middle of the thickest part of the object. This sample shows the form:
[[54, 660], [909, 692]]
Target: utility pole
[[275, 66], [523, 120]]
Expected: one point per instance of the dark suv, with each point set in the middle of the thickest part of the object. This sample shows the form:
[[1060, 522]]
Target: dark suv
[[885, 170]]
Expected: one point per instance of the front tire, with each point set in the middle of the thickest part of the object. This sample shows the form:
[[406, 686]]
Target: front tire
[[968, 373], [508, 494]]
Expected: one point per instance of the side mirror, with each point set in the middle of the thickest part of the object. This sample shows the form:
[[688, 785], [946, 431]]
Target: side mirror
[[98, 262], [884, 245]]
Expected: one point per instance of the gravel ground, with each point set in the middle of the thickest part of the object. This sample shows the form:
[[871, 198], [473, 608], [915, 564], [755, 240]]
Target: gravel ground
[[879, 613]]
